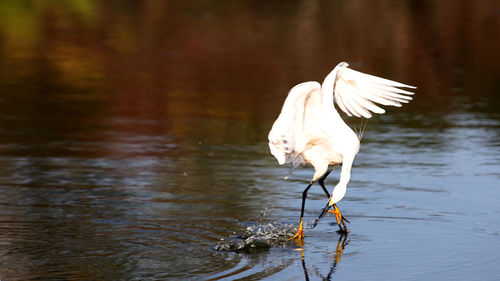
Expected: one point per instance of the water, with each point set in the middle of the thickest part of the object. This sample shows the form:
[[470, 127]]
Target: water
[[133, 141]]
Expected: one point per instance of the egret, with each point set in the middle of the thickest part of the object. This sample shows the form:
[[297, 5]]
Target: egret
[[309, 130]]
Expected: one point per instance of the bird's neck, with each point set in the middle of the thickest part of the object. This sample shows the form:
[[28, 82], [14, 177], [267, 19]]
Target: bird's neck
[[327, 91], [338, 193], [345, 175]]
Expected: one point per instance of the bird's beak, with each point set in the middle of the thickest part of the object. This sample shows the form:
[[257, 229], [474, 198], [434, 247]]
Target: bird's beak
[[323, 213]]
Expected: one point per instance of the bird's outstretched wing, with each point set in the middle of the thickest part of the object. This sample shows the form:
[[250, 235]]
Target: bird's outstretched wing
[[289, 134], [355, 93]]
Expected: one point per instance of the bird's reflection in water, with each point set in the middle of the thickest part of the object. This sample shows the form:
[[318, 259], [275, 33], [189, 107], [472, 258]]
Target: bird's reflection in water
[[338, 255]]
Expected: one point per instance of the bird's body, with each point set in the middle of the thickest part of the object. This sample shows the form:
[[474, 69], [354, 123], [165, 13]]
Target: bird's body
[[310, 130]]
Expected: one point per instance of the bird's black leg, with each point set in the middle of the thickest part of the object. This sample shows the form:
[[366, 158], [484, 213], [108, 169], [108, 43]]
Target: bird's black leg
[[300, 232], [321, 182]]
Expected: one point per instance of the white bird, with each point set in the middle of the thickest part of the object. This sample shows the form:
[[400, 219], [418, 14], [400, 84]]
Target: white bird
[[309, 130]]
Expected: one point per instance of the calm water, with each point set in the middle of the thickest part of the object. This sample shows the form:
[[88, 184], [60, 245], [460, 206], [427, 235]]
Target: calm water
[[133, 141]]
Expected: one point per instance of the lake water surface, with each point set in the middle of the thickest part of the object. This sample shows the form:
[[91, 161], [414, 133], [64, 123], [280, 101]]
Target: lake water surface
[[133, 141]]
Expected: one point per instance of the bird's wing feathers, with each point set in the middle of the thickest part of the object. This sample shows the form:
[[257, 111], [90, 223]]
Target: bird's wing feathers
[[289, 134], [356, 93]]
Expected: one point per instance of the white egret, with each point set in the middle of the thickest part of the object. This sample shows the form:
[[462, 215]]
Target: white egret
[[309, 130]]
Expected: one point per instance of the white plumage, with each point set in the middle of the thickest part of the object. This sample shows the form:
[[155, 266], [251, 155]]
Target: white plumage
[[310, 130]]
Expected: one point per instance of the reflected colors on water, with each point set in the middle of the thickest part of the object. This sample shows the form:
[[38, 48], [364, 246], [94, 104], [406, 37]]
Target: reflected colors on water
[[133, 141]]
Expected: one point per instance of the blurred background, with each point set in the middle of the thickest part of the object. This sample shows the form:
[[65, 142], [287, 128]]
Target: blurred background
[[133, 138]]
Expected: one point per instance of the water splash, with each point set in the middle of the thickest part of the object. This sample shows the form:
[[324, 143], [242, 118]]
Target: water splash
[[258, 238]]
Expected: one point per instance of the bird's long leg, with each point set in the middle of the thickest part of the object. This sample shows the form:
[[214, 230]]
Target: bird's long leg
[[300, 232], [321, 182]]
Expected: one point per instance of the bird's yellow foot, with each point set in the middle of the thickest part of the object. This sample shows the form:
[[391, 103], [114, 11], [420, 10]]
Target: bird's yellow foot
[[340, 219], [300, 233]]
